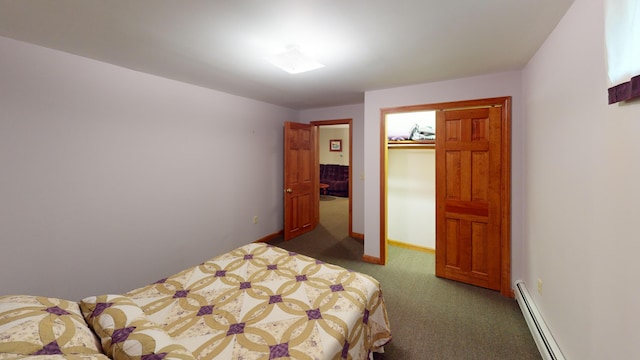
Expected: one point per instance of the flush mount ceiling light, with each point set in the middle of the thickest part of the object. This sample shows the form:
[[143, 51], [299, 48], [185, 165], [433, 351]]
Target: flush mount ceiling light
[[294, 61]]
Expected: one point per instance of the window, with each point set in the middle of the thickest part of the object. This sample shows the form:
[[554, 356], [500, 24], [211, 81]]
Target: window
[[622, 36]]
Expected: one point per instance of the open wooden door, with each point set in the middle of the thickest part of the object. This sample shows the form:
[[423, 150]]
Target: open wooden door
[[300, 179], [472, 170]]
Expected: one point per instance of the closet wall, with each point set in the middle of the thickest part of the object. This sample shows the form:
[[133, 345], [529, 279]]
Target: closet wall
[[411, 190]]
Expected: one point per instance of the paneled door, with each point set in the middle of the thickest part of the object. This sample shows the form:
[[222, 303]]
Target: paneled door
[[300, 179], [470, 197]]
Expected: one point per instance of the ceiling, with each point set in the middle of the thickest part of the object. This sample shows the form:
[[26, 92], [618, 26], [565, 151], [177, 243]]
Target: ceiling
[[222, 45]]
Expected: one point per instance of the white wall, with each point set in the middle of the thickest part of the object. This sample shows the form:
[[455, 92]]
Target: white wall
[[333, 132], [111, 178], [411, 196], [486, 86], [582, 193], [356, 113]]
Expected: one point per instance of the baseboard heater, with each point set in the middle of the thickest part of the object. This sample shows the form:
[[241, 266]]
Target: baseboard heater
[[546, 344]]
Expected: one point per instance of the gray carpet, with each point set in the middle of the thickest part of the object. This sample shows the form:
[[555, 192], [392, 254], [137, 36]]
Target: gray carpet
[[431, 318]]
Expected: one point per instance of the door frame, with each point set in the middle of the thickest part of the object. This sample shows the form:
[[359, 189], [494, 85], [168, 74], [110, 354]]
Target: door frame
[[317, 124], [505, 150]]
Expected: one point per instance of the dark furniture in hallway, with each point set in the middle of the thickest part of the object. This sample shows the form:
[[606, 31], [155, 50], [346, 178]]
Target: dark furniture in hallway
[[337, 177]]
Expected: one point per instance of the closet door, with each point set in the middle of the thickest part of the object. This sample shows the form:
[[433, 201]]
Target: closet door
[[468, 196]]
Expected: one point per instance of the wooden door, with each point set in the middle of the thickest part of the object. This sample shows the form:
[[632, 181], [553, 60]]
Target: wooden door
[[469, 202], [300, 180]]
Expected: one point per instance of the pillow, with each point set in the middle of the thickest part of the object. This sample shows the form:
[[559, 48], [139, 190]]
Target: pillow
[[44, 327], [125, 331]]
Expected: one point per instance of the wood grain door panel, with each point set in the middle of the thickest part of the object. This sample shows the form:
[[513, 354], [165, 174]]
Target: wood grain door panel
[[300, 184], [468, 208]]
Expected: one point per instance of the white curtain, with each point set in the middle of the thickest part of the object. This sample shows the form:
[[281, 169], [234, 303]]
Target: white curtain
[[622, 36]]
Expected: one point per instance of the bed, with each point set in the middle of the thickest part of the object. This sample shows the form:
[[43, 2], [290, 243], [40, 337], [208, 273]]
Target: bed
[[255, 302]]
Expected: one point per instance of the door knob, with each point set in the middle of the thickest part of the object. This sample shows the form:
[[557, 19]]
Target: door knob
[[289, 191]]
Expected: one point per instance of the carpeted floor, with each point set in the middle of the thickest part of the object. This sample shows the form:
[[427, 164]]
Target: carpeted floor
[[431, 318]]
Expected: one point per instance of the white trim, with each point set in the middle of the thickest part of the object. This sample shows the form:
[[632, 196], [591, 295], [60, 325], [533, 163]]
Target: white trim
[[541, 334]]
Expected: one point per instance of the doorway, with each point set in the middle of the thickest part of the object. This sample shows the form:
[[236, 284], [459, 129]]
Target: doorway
[[330, 134], [473, 190], [411, 181]]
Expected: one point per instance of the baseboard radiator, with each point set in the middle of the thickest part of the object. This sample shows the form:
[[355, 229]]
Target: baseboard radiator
[[546, 344]]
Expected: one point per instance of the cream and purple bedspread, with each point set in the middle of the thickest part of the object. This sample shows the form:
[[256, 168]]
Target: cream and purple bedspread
[[255, 302]]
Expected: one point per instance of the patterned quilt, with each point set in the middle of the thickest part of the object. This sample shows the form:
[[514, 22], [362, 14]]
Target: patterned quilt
[[256, 302]]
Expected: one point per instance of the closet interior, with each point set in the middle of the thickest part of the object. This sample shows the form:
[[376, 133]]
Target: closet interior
[[411, 181]]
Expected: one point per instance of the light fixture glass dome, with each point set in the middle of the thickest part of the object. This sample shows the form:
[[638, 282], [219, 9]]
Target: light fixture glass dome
[[294, 61]]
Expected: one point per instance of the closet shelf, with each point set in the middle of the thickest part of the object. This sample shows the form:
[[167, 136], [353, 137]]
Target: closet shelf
[[411, 143]]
